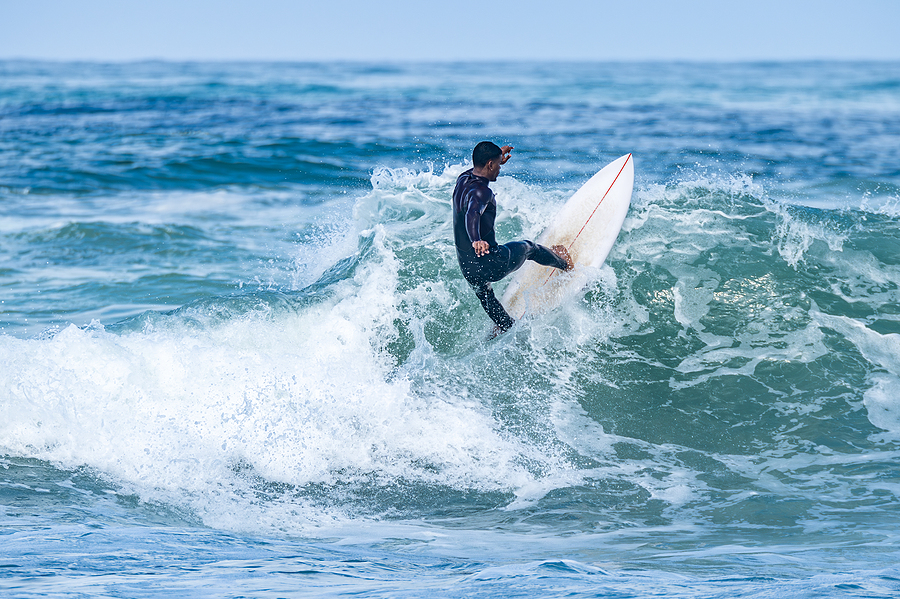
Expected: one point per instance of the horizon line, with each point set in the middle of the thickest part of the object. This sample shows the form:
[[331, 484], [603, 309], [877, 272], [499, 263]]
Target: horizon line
[[143, 60]]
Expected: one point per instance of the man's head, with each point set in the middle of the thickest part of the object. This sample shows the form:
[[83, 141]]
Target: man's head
[[486, 158], [484, 152]]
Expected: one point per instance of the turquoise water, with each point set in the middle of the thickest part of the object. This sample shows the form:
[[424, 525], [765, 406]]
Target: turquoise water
[[238, 358]]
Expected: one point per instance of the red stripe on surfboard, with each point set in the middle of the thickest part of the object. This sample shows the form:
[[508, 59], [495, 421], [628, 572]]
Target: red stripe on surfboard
[[553, 271]]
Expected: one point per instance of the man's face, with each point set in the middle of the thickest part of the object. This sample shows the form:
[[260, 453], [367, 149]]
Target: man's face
[[492, 169]]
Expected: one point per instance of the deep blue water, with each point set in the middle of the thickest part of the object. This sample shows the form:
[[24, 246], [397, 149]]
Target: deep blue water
[[238, 358]]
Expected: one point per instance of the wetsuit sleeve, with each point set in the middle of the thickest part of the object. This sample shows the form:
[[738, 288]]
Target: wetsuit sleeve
[[478, 202]]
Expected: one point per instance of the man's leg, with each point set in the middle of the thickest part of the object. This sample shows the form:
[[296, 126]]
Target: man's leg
[[511, 257], [492, 306], [557, 256], [520, 251]]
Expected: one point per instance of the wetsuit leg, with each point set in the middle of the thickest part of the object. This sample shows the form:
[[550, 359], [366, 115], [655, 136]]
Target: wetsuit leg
[[492, 306], [520, 251], [504, 260]]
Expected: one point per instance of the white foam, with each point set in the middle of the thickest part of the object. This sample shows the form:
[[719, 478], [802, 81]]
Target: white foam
[[393, 179], [193, 415], [887, 204], [882, 401], [796, 236], [881, 350]]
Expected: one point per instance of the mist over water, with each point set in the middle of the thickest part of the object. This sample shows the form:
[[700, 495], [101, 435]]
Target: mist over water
[[237, 350]]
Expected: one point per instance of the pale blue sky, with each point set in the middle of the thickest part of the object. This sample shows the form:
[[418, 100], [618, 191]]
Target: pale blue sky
[[456, 30]]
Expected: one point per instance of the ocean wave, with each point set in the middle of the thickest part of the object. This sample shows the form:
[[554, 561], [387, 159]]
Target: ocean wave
[[723, 320]]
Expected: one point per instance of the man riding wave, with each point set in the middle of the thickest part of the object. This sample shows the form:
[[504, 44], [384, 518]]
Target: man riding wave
[[481, 259]]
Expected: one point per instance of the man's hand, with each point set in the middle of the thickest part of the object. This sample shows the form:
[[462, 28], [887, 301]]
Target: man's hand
[[505, 153], [481, 248]]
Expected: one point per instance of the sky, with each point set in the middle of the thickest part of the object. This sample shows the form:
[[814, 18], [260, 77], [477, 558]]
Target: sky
[[426, 30]]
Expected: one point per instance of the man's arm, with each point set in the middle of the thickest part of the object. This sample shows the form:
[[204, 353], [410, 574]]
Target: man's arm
[[478, 201]]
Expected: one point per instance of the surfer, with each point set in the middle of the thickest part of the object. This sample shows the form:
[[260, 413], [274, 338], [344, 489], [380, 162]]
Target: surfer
[[481, 259]]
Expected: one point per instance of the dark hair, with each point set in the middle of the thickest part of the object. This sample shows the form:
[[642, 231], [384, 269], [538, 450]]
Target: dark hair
[[485, 151]]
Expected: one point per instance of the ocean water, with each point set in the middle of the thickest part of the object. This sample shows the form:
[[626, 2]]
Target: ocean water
[[238, 359]]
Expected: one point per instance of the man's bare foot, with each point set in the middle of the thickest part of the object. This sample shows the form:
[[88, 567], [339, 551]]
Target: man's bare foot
[[562, 252], [497, 331]]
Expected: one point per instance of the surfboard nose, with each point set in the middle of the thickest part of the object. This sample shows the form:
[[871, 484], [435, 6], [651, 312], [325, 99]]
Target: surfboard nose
[[587, 227]]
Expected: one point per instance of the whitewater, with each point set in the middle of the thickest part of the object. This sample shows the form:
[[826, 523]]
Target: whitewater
[[238, 358]]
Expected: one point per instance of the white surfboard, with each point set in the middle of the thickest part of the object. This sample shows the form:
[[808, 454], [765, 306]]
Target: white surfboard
[[587, 225]]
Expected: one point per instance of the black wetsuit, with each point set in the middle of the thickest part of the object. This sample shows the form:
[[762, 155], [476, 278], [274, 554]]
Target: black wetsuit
[[474, 212]]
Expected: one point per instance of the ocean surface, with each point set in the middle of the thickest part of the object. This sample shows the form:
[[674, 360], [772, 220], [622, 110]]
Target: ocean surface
[[238, 359]]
